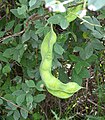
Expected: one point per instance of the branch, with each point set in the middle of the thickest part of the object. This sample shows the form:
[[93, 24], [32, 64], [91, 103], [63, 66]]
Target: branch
[[14, 35], [80, 3], [13, 104], [95, 104], [31, 18]]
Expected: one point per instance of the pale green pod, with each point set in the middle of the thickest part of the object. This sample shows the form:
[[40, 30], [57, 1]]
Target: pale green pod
[[54, 85]]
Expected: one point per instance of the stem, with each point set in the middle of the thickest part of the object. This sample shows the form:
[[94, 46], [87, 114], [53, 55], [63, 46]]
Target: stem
[[84, 5], [13, 104]]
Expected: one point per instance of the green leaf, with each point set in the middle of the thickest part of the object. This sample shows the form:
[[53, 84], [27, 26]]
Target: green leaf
[[16, 56], [20, 99], [25, 87], [92, 59], [10, 113], [72, 13], [74, 58], [36, 116], [40, 30], [8, 52], [78, 67], [64, 23], [17, 79], [11, 106], [33, 35], [38, 98], [9, 96], [97, 34], [2, 33], [29, 98], [55, 19], [18, 92], [15, 12], [58, 49], [1, 101], [40, 85], [24, 113], [82, 54], [6, 69], [26, 36], [9, 25], [17, 28], [31, 73], [84, 73], [30, 83], [32, 2], [22, 10], [95, 4], [76, 78], [89, 50], [2, 58], [90, 20], [23, 2], [97, 45], [16, 115]]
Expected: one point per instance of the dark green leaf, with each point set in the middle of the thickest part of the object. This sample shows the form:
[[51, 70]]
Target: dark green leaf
[[22, 10], [26, 36], [32, 2], [17, 28], [2, 33], [15, 12], [29, 98], [64, 23], [36, 116], [74, 58], [55, 19], [38, 98], [78, 67], [97, 34], [23, 2], [1, 101], [25, 87], [58, 49], [30, 83], [95, 4], [20, 99], [12, 106], [8, 52], [24, 113], [2, 58], [89, 50], [76, 78], [40, 85], [97, 45], [9, 25], [6, 69], [84, 73], [16, 115]]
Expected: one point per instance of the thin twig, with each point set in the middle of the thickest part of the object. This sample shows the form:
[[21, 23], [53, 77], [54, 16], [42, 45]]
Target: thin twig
[[95, 104], [31, 18], [84, 5], [60, 109], [14, 35], [80, 3], [13, 104], [43, 112]]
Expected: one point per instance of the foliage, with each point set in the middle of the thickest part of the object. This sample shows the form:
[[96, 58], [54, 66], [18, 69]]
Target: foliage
[[79, 56]]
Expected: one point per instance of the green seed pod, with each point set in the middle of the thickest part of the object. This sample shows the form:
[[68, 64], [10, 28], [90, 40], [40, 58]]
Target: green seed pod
[[54, 85]]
